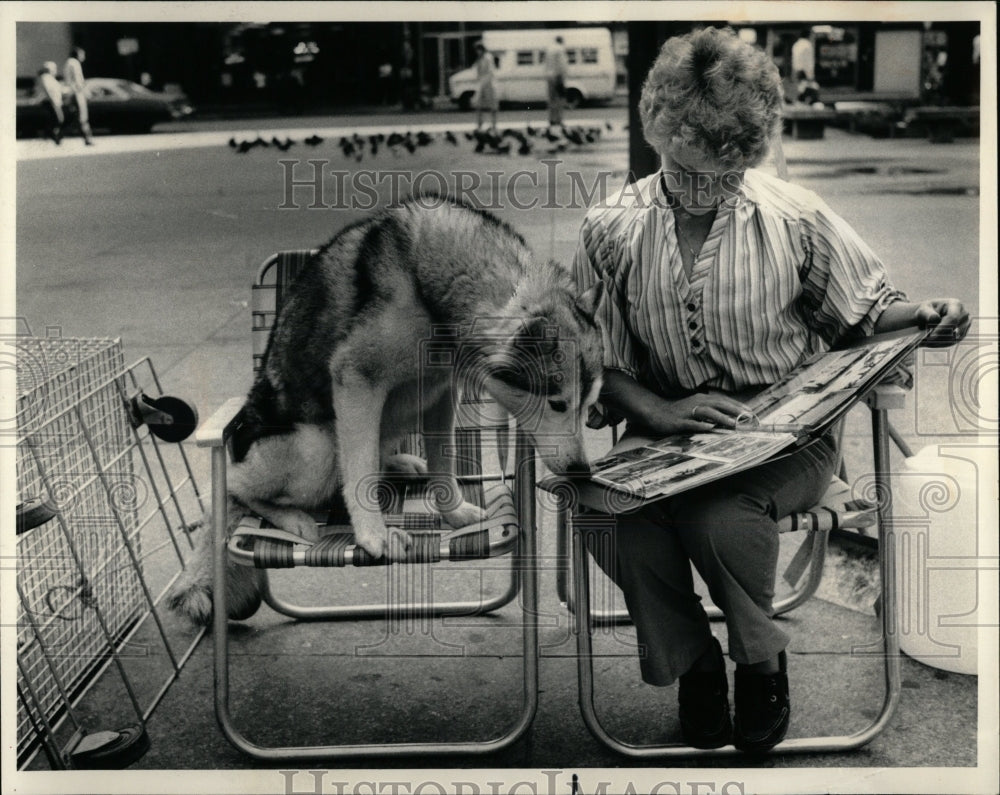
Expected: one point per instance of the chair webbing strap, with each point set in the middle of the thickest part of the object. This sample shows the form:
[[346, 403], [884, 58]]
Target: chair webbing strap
[[256, 543]]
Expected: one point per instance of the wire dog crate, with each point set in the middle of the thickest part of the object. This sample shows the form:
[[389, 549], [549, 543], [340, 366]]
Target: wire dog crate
[[105, 506]]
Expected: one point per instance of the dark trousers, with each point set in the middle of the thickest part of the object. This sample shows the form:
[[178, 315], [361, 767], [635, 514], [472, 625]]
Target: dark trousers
[[728, 530], [54, 117], [556, 100]]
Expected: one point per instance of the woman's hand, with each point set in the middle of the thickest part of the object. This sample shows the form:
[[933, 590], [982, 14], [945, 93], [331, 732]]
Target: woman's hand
[[658, 416], [700, 412], [948, 318]]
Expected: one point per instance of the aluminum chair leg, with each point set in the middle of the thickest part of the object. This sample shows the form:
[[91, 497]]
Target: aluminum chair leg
[[565, 567], [808, 585], [889, 642], [525, 562]]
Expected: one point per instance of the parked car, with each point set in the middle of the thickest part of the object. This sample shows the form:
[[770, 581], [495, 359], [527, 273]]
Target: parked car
[[520, 74], [114, 105]]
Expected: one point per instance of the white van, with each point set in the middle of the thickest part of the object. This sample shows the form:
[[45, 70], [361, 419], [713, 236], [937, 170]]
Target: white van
[[520, 57]]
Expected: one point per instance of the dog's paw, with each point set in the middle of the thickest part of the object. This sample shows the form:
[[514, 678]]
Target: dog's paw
[[399, 543], [404, 464], [464, 515], [300, 523], [392, 542]]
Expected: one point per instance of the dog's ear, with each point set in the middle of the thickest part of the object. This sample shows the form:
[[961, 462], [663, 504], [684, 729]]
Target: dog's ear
[[590, 300]]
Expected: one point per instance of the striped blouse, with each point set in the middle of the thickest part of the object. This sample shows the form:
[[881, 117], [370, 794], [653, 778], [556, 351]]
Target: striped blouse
[[779, 277]]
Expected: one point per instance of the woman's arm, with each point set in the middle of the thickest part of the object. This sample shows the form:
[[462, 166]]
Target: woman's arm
[[947, 316], [660, 416]]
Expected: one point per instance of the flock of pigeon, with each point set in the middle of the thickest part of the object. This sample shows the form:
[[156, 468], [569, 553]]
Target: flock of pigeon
[[552, 139]]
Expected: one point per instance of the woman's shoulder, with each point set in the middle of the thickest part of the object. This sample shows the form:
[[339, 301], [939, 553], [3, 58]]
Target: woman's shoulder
[[623, 206], [771, 194]]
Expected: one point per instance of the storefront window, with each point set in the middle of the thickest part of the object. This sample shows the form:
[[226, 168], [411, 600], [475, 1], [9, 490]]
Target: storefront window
[[836, 55]]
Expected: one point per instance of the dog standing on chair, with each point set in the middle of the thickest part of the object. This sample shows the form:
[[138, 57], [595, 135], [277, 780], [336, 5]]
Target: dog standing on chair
[[342, 380]]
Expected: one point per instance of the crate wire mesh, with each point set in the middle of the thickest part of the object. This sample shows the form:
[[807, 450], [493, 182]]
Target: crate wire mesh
[[90, 579]]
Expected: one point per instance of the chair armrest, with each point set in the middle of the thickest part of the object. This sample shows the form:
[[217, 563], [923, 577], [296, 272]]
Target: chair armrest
[[216, 429], [886, 396]]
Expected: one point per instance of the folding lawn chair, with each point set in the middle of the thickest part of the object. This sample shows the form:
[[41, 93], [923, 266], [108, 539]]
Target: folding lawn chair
[[834, 511], [507, 495]]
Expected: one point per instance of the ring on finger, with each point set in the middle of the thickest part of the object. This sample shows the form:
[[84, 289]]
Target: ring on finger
[[694, 412]]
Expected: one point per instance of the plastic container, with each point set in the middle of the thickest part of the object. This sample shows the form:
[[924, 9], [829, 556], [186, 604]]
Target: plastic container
[[939, 516]]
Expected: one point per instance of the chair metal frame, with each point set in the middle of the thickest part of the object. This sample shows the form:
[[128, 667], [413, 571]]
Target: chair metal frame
[[273, 276], [879, 401], [215, 434]]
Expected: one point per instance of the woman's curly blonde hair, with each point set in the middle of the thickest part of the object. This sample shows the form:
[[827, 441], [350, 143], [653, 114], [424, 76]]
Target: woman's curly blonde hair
[[714, 93]]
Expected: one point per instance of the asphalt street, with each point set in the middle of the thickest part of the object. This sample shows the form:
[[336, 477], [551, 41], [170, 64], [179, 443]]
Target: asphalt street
[[174, 221]]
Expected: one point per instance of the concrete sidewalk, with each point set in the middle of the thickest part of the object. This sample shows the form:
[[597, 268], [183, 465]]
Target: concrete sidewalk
[[362, 681]]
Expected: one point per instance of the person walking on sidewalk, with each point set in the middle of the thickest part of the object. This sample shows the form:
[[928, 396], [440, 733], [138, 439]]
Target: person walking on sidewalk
[[804, 56], [555, 77], [486, 73], [718, 280], [73, 75], [50, 88]]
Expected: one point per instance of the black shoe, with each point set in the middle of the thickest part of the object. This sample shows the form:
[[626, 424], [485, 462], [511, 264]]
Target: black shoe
[[763, 708], [704, 705]]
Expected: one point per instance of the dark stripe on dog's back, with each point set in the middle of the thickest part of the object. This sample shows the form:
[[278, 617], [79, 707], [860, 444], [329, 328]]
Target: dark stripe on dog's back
[[337, 237], [384, 239], [431, 198], [260, 417], [364, 283], [494, 221]]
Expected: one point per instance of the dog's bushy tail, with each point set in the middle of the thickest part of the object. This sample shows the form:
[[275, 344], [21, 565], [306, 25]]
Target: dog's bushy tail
[[191, 593]]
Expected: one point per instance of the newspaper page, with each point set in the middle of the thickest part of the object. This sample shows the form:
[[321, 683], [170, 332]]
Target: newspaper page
[[819, 390], [683, 461], [807, 399]]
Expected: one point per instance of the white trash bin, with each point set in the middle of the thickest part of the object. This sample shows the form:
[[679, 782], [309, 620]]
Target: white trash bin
[[938, 517]]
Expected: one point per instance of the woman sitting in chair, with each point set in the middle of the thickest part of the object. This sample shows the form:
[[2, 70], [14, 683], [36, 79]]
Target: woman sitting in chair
[[719, 279]]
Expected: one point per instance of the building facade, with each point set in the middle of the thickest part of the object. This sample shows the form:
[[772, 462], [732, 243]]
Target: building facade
[[301, 66]]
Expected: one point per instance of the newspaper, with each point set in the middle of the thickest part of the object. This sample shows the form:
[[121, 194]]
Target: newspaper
[[802, 404], [822, 388], [683, 461]]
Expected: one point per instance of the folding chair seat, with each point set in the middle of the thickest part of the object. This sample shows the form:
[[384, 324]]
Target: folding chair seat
[[407, 505], [835, 510], [504, 490]]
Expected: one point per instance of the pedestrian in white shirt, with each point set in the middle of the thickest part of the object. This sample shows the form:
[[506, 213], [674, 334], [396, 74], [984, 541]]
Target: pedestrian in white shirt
[[486, 73], [555, 76], [51, 89], [73, 75], [804, 57]]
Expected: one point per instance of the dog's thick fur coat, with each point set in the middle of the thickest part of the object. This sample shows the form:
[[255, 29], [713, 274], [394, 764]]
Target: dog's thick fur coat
[[342, 380]]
